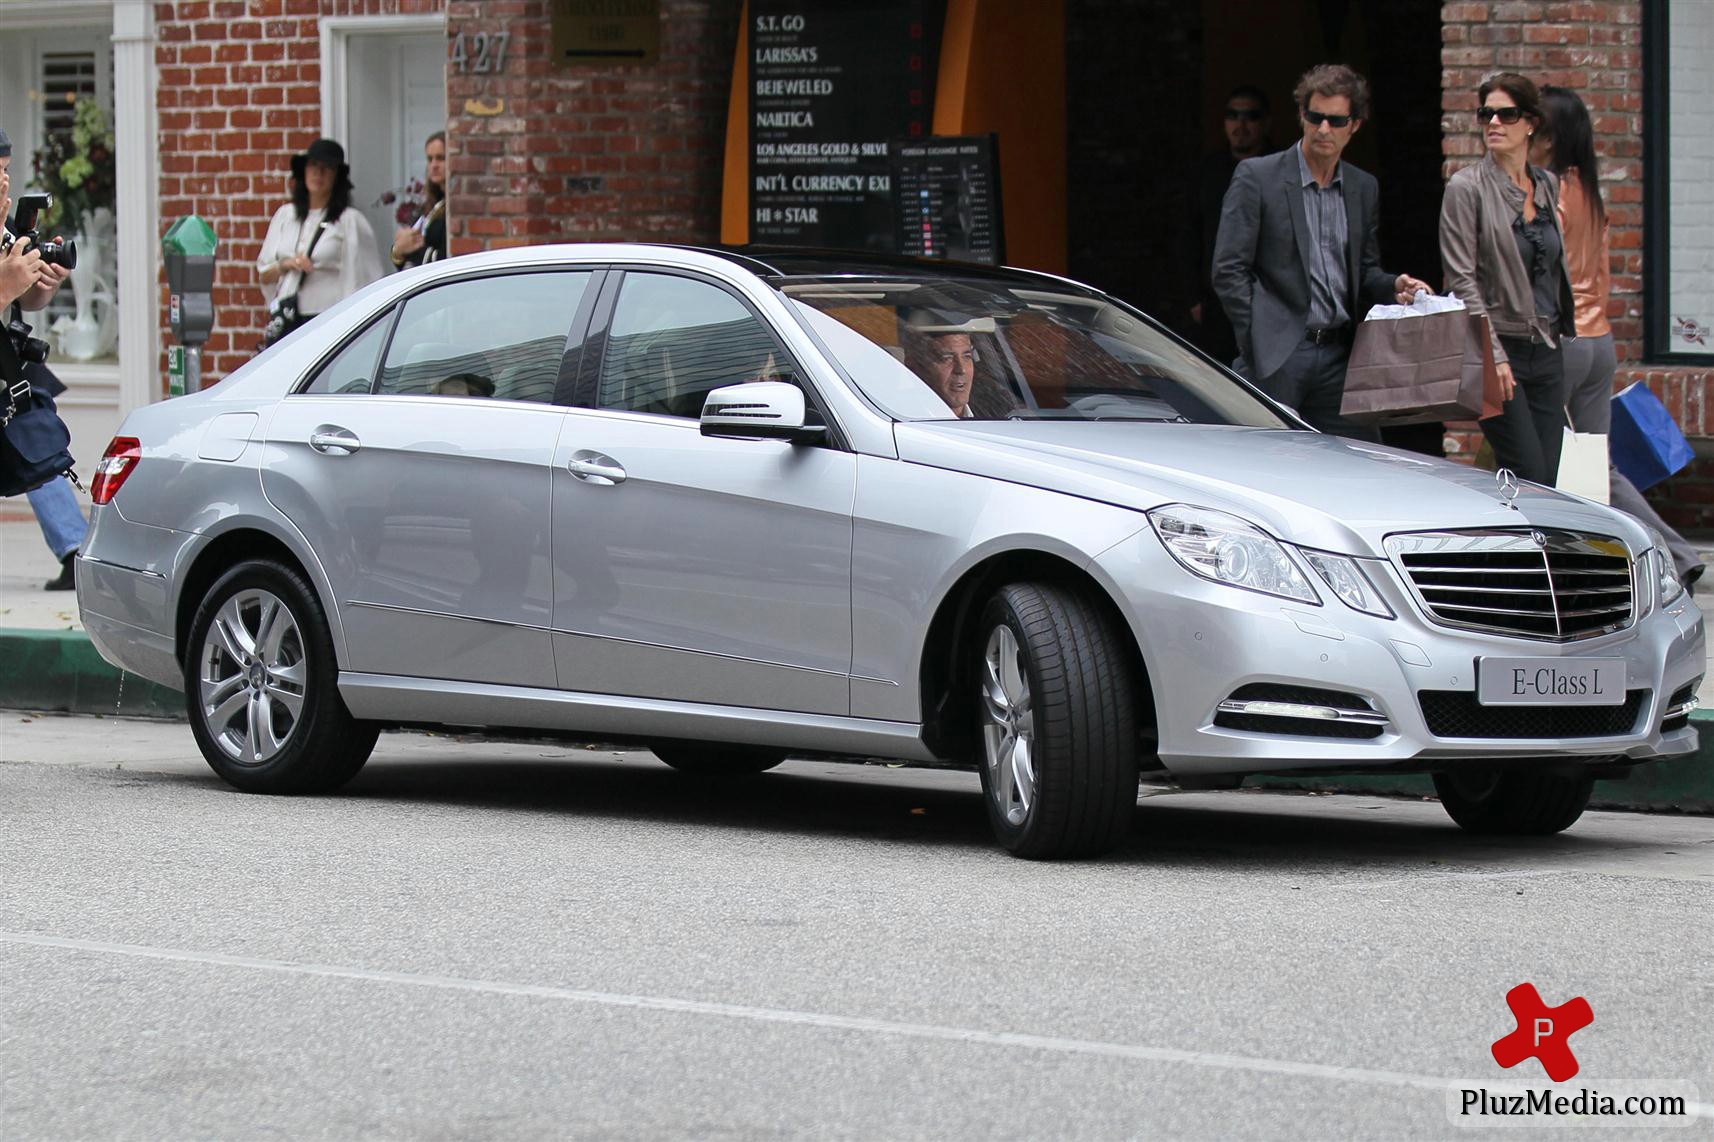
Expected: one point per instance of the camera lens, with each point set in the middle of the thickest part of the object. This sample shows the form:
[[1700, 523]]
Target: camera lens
[[60, 253]]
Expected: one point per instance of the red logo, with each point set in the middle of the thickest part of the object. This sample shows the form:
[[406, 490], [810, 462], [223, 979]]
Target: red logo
[[1543, 1033]]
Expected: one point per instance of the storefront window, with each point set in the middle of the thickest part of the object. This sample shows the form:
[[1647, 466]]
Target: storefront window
[[1680, 179], [52, 76]]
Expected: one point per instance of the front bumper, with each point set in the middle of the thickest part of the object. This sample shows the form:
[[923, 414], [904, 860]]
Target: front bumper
[[1202, 642]]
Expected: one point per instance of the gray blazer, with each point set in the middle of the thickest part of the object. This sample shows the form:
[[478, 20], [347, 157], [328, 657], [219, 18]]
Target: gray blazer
[[1262, 249]]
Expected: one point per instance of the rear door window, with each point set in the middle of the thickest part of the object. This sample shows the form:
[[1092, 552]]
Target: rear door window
[[501, 338], [353, 370]]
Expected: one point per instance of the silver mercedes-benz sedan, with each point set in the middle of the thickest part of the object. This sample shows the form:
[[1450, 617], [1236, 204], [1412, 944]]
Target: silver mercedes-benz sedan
[[740, 507]]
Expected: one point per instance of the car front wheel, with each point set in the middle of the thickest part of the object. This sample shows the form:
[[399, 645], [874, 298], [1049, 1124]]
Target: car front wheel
[[1512, 802], [1056, 709], [260, 686]]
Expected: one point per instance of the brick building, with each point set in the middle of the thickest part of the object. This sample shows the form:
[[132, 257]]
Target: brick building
[[535, 156], [212, 97]]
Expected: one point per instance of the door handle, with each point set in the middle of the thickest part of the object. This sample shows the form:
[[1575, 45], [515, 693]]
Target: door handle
[[594, 468], [331, 440]]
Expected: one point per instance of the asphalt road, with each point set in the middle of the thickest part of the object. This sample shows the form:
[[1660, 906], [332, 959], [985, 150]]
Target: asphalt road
[[488, 940]]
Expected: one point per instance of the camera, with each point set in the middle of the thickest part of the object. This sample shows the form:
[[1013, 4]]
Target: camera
[[58, 252], [31, 350]]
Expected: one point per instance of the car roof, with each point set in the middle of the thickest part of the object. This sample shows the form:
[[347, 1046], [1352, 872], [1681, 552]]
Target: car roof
[[772, 264], [811, 262]]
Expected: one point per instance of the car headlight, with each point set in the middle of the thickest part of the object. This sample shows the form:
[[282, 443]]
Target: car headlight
[[1228, 550], [1667, 585], [1349, 581]]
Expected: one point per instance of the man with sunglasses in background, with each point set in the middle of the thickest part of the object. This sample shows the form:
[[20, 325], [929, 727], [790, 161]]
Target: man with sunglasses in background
[[1297, 261], [1245, 122]]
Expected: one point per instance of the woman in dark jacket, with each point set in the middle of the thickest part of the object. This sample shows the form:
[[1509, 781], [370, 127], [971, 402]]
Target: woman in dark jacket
[[1504, 255], [425, 240]]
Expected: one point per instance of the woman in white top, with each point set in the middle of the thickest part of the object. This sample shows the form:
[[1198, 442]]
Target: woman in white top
[[316, 247]]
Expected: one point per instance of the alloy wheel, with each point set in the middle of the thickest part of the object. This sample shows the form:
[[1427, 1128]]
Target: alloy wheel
[[252, 676], [1009, 727]]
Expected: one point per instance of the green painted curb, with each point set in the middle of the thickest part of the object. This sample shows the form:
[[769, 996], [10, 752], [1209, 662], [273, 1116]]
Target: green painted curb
[[1681, 784], [61, 670]]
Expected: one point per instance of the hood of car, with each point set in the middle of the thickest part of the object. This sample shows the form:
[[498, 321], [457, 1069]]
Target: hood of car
[[1320, 491]]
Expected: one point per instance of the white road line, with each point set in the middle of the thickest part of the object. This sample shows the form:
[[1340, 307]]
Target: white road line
[[812, 1019]]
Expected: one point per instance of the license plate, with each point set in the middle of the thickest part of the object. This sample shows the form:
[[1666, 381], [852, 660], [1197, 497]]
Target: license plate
[[1550, 681]]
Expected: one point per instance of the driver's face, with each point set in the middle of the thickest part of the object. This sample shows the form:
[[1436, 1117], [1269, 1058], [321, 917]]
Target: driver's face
[[948, 363]]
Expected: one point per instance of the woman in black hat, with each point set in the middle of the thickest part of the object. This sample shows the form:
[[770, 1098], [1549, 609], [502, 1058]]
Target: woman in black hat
[[317, 249]]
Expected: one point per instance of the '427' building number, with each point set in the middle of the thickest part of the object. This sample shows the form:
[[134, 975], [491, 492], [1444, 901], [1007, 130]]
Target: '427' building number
[[482, 53]]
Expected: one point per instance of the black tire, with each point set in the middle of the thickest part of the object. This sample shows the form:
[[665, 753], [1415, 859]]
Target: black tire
[[315, 748], [1513, 802], [717, 759], [1082, 715]]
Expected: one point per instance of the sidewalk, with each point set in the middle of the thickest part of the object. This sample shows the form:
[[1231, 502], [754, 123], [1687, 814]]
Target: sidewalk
[[46, 663], [25, 564]]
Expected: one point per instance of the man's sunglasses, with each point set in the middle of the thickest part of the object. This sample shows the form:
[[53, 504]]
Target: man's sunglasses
[[1247, 114], [1337, 122], [1506, 115]]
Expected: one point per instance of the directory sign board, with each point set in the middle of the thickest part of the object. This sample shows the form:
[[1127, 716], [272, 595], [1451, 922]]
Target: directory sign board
[[830, 84]]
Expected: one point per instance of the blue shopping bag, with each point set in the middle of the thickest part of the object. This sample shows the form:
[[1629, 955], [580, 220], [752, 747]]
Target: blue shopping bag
[[1647, 444]]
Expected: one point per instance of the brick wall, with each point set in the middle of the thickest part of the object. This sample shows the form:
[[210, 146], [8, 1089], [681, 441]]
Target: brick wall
[[591, 153], [238, 94], [537, 154], [1594, 46]]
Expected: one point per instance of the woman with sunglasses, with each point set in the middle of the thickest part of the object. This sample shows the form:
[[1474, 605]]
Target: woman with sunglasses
[[1564, 143], [1504, 255]]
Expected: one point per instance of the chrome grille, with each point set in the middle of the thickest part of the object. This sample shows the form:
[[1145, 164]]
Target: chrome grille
[[1527, 582]]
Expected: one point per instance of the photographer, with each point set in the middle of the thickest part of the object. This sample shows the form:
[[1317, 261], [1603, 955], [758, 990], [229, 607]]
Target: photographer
[[30, 283]]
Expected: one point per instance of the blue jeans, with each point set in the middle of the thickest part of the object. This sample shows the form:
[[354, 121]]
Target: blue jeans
[[57, 510]]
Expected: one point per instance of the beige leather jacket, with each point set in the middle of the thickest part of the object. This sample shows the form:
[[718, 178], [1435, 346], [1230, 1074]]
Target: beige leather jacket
[[1480, 255]]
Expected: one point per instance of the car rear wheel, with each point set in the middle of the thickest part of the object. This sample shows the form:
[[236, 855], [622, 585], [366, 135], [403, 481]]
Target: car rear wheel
[[1513, 802], [717, 759], [260, 686], [1056, 709]]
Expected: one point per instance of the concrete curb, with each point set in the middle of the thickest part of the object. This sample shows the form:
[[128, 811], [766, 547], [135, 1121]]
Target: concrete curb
[[1681, 785], [60, 670]]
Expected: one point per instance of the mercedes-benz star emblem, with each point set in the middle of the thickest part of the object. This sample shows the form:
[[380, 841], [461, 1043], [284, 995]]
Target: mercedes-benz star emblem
[[1539, 538], [1508, 481]]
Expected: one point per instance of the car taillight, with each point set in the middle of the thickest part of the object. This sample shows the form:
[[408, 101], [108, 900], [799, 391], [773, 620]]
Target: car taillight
[[117, 464]]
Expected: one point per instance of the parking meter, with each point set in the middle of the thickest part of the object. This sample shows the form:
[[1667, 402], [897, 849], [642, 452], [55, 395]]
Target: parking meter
[[188, 247]]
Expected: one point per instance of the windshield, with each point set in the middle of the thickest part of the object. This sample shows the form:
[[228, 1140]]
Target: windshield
[[943, 348]]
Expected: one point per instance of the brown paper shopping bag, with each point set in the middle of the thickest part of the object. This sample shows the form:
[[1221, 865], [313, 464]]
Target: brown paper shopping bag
[[1411, 370]]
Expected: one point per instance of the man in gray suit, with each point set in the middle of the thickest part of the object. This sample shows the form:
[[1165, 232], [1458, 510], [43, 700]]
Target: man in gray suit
[[1297, 259]]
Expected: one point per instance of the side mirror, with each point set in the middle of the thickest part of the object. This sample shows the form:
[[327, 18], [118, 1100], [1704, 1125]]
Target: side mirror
[[769, 410]]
